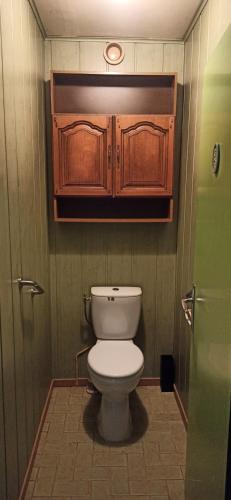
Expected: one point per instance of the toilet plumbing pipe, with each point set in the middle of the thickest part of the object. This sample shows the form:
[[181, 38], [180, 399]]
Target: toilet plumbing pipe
[[85, 300], [77, 364]]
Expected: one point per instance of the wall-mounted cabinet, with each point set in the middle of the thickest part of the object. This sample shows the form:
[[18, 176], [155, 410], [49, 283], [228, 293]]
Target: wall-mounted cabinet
[[113, 140]]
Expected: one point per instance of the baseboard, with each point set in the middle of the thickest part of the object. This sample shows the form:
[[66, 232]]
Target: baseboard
[[70, 382], [36, 443], [181, 408], [149, 381], [81, 382]]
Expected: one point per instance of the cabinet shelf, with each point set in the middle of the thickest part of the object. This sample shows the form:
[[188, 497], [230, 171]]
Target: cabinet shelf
[[113, 93], [92, 209]]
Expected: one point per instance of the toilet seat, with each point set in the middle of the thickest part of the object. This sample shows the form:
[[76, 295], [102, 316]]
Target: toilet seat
[[115, 358]]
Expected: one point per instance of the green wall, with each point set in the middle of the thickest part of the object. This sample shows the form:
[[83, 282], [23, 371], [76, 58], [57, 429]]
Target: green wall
[[95, 254], [25, 347], [200, 43]]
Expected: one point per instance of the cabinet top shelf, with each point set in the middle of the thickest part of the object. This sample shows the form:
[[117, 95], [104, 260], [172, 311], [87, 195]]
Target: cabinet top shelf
[[113, 93]]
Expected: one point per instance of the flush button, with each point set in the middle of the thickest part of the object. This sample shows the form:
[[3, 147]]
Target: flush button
[[115, 289]]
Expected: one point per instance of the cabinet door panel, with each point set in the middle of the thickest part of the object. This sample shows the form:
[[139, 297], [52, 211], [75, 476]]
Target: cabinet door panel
[[82, 155], [144, 146]]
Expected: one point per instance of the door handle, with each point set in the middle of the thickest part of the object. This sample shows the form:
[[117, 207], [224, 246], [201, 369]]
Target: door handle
[[187, 303], [35, 288]]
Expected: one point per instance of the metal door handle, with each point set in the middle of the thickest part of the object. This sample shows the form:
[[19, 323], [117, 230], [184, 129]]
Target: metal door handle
[[35, 289], [187, 301]]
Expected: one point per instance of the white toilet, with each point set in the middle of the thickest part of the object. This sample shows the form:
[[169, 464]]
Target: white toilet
[[115, 363]]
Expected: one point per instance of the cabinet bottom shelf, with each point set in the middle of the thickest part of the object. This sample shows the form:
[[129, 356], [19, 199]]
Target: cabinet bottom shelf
[[92, 209]]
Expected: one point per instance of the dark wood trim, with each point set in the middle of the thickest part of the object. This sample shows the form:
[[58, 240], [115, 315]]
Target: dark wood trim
[[51, 91], [181, 408], [69, 72], [152, 381], [70, 382], [60, 219], [36, 443]]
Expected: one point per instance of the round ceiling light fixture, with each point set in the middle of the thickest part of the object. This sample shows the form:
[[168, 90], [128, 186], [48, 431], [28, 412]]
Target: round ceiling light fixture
[[113, 53]]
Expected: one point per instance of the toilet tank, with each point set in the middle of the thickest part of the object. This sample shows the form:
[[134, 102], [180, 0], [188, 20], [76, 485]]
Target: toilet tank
[[115, 311]]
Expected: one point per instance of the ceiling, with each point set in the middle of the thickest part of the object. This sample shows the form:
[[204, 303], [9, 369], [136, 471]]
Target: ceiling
[[147, 19]]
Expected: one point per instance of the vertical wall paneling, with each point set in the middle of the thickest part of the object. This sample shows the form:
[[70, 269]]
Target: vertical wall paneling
[[206, 33], [8, 429], [52, 233], [25, 321], [7, 325], [91, 56], [149, 57], [186, 273], [144, 272], [183, 182], [83, 255], [173, 57], [67, 52]]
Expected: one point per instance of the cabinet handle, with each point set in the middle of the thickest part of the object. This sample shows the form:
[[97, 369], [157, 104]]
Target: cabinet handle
[[118, 156], [109, 155]]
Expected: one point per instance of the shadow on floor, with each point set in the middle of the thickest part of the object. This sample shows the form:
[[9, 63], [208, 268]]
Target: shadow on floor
[[138, 413]]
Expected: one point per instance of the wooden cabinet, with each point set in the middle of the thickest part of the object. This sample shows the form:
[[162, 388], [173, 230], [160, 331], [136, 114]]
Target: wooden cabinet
[[144, 155], [82, 155], [87, 162], [113, 142]]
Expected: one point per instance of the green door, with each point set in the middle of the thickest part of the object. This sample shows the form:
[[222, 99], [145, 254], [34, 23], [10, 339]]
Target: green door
[[210, 365]]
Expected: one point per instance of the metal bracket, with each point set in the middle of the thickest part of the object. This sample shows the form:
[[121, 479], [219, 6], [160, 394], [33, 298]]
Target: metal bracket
[[35, 288]]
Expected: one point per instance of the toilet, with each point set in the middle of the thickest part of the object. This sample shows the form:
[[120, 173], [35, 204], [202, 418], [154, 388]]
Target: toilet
[[115, 363]]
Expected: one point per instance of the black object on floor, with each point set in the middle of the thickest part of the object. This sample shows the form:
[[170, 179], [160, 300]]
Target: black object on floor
[[228, 469], [167, 373]]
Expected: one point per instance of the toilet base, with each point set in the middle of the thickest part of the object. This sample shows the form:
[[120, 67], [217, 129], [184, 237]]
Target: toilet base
[[114, 419]]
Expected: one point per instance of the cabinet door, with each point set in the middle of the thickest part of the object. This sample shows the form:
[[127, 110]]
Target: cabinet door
[[82, 149], [144, 155]]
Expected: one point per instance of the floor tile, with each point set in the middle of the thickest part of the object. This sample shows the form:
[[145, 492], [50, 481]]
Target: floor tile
[[30, 489], [43, 486], [172, 458], [100, 490], [74, 463], [148, 487], [44, 472], [71, 488], [136, 467], [119, 480], [110, 460], [84, 456], [176, 490], [164, 472], [93, 473]]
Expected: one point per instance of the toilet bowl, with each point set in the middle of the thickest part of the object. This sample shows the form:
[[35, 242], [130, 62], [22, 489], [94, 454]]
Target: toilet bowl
[[115, 363], [115, 368]]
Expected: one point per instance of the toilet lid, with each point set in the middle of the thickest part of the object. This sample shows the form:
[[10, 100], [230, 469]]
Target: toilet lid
[[115, 358]]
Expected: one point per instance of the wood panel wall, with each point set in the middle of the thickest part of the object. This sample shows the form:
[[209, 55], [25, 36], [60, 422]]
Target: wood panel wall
[[25, 347], [200, 43], [96, 254]]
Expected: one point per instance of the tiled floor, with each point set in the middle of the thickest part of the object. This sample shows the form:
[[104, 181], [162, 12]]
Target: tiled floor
[[72, 462]]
